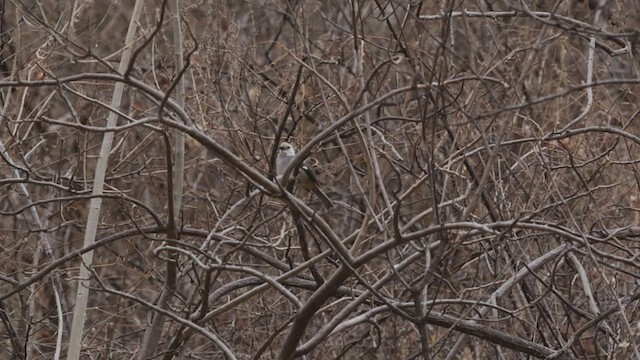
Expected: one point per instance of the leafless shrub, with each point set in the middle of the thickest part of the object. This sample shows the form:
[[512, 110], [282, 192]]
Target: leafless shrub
[[482, 156]]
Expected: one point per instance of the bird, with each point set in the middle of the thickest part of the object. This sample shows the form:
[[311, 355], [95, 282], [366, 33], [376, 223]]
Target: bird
[[306, 178]]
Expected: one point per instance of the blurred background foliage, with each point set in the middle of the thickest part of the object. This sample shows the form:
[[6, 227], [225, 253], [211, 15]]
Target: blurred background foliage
[[495, 133]]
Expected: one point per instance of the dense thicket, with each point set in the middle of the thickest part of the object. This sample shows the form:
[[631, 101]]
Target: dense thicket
[[482, 157]]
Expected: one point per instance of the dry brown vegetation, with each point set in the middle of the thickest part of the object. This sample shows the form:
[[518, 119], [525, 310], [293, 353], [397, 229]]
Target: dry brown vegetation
[[483, 158]]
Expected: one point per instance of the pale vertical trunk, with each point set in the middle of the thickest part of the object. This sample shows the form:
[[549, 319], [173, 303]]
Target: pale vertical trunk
[[82, 295]]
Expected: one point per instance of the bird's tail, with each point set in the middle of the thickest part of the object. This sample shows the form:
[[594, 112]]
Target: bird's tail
[[324, 199]]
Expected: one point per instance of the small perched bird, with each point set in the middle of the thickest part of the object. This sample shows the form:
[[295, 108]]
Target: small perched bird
[[306, 179]]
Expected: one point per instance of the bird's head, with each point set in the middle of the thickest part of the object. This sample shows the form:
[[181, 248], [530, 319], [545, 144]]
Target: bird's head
[[286, 149]]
